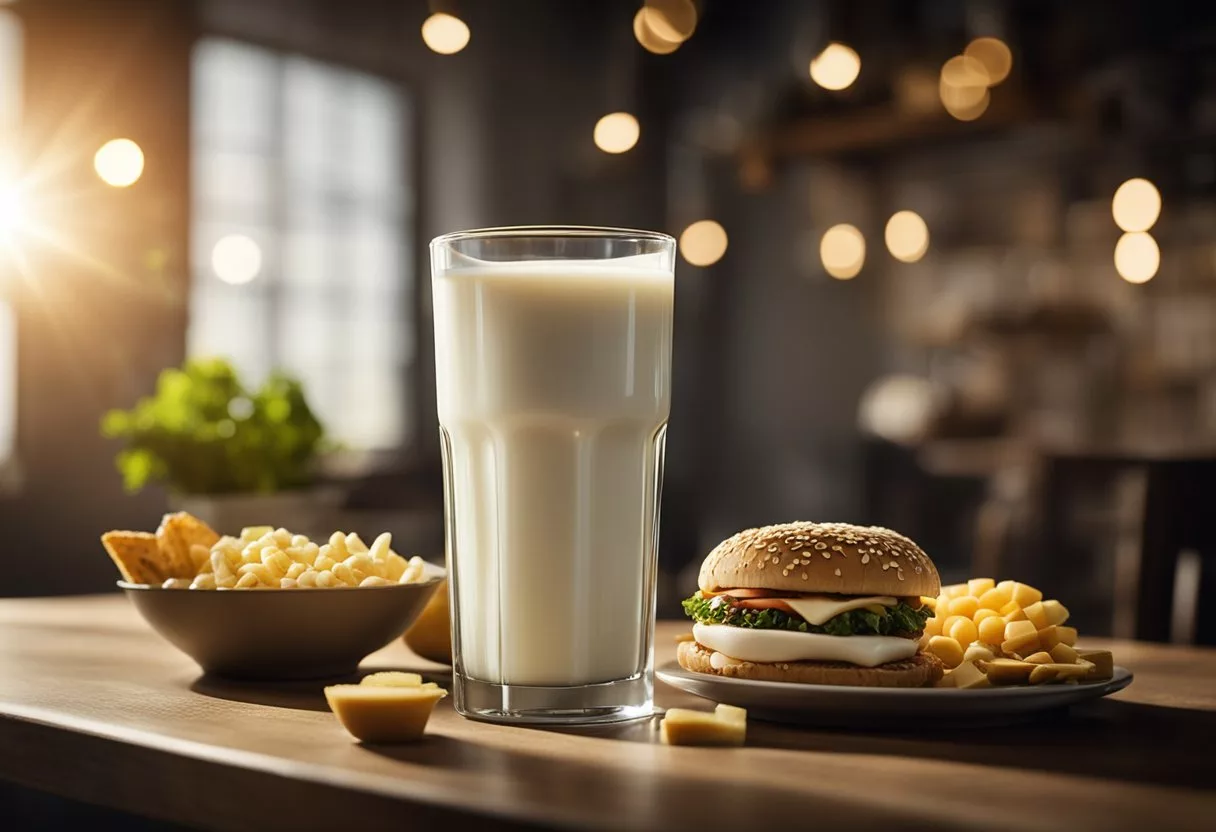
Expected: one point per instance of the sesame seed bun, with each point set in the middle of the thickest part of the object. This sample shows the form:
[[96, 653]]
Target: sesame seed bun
[[919, 671], [821, 558]]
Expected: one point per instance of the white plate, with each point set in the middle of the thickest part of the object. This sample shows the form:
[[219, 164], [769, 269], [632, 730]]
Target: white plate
[[862, 707]]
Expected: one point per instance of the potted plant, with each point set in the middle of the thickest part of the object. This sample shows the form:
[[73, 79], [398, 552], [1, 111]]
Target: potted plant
[[230, 455]]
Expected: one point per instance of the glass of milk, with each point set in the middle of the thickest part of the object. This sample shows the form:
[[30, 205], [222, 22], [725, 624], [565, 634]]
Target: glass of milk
[[553, 376]]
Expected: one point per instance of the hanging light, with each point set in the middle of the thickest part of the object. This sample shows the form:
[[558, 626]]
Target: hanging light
[[843, 251], [1136, 205], [616, 132], [836, 67], [445, 33], [703, 243]]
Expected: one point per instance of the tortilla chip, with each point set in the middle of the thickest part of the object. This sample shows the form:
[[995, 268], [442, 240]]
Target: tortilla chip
[[137, 556], [177, 534]]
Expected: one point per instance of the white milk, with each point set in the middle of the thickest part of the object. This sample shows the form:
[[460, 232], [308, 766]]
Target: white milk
[[554, 387]]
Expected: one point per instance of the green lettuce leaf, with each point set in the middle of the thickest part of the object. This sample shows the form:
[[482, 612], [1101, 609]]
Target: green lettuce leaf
[[900, 619]]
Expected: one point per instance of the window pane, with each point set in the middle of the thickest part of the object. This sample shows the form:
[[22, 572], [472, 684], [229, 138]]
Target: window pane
[[233, 182], [235, 96], [232, 325]]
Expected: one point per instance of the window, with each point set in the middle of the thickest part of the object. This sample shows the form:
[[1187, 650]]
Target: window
[[10, 117], [301, 251]]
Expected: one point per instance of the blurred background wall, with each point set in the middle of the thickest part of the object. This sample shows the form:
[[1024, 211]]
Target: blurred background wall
[[914, 306]]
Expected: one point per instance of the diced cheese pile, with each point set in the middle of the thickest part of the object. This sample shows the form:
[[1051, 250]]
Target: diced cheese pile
[[1005, 633]]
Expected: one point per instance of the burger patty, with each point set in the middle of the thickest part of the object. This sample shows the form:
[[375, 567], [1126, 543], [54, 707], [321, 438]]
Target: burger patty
[[918, 671], [899, 620]]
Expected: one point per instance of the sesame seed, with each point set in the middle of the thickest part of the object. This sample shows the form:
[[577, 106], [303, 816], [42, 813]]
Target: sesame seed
[[885, 567], [899, 575], [826, 556], [820, 546], [865, 558], [776, 559], [804, 576], [837, 573]]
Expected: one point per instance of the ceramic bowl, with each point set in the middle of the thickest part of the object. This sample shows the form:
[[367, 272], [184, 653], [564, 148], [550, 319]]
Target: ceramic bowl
[[282, 633]]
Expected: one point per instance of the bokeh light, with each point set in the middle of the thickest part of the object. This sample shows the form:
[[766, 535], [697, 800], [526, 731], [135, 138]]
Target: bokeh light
[[646, 36], [119, 162], [617, 132], [703, 243], [236, 259], [671, 20], [836, 67], [967, 112], [963, 83], [995, 56], [843, 251], [445, 33], [1137, 257], [1137, 205], [907, 236]]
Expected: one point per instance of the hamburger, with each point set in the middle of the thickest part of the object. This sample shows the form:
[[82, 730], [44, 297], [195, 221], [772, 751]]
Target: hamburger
[[817, 603]]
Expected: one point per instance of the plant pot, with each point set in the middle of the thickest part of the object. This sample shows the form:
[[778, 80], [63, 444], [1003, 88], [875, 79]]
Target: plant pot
[[311, 511]]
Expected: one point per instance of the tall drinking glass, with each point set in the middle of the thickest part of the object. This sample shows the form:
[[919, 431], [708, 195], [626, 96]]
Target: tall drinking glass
[[553, 374]]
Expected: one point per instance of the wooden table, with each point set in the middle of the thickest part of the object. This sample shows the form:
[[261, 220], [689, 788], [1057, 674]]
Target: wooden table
[[94, 707]]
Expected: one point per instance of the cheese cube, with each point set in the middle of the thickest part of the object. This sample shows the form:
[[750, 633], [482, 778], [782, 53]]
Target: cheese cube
[[946, 649], [967, 675], [1055, 612], [1036, 615], [383, 714], [1068, 635], [1026, 595], [996, 598], [1063, 654], [964, 605], [992, 630], [954, 590], [1016, 629], [978, 586], [963, 630], [1041, 657], [1012, 612], [1101, 661], [726, 726]]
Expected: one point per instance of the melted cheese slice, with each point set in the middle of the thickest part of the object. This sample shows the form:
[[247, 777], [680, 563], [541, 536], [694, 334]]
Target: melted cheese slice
[[817, 609], [789, 646]]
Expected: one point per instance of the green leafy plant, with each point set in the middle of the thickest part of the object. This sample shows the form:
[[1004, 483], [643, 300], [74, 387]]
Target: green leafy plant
[[203, 432]]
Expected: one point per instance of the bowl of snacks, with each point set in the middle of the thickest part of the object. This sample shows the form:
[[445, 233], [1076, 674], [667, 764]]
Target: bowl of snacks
[[269, 604]]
